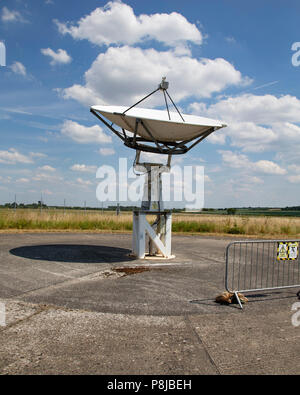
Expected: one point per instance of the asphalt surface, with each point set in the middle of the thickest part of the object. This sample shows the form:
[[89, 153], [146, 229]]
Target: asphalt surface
[[78, 304]]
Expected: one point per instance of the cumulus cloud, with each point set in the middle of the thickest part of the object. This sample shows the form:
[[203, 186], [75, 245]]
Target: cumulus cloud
[[59, 57], [230, 40], [40, 176], [47, 168], [241, 161], [11, 16], [268, 167], [124, 72], [12, 156], [250, 136], [37, 155], [264, 109], [116, 23], [294, 179], [83, 134], [106, 151], [83, 183], [84, 168], [256, 123], [253, 180], [122, 75], [242, 185], [18, 68]]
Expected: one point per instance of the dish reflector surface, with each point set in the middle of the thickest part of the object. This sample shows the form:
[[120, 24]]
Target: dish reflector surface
[[158, 123]]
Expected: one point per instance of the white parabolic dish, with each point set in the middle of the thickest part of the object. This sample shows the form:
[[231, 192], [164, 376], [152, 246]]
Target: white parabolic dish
[[157, 121]]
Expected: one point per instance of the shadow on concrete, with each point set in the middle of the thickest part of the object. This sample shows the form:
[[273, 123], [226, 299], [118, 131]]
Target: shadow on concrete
[[212, 303], [252, 298], [73, 253]]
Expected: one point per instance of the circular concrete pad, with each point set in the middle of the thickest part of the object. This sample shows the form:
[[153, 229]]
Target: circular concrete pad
[[83, 271]]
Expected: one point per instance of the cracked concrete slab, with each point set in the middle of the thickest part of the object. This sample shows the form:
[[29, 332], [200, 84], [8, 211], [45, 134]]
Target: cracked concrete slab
[[57, 341], [74, 307]]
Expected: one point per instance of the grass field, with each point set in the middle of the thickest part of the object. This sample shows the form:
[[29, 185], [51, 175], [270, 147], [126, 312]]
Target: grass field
[[76, 220]]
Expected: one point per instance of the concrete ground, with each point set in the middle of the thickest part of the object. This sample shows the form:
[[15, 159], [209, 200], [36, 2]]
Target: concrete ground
[[73, 307]]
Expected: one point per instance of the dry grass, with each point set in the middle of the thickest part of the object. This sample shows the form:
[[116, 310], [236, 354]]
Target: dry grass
[[242, 225], [96, 221], [58, 220]]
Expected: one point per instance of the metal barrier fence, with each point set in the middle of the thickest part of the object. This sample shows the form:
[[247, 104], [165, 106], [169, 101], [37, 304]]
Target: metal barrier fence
[[262, 265]]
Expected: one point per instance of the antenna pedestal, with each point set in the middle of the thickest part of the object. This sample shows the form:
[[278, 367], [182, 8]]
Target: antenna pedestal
[[158, 234]]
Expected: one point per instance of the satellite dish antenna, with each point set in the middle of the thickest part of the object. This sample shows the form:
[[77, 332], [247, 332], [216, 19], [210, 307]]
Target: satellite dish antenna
[[160, 132]]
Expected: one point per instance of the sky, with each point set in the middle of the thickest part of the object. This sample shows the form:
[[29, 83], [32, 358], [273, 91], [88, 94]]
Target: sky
[[231, 60]]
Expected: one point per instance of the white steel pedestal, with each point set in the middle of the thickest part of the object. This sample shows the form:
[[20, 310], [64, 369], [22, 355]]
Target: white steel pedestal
[[158, 235]]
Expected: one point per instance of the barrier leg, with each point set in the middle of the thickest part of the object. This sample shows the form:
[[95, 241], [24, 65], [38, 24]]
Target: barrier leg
[[238, 299]]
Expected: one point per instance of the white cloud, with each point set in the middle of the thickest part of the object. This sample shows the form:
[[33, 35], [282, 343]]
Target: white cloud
[[249, 136], [264, 110], [241, 161], [230, 40], [116, 23], [47, 177], [12, 156], [18, 68], [11, 16], [83, 134], [38, 155], [84, 168], [59, 57], [83, 94], [254, 180], [268, 167], [47, 168], [256, 123], [47, 192], [240, 186], [234, 160], [288, 132], [23, 180], [294, 179], [123, 75], [82, 182], [218, 137], [106, 151]]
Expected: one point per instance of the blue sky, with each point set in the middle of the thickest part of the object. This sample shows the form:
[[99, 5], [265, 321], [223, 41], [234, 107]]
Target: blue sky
[[228, 60]]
